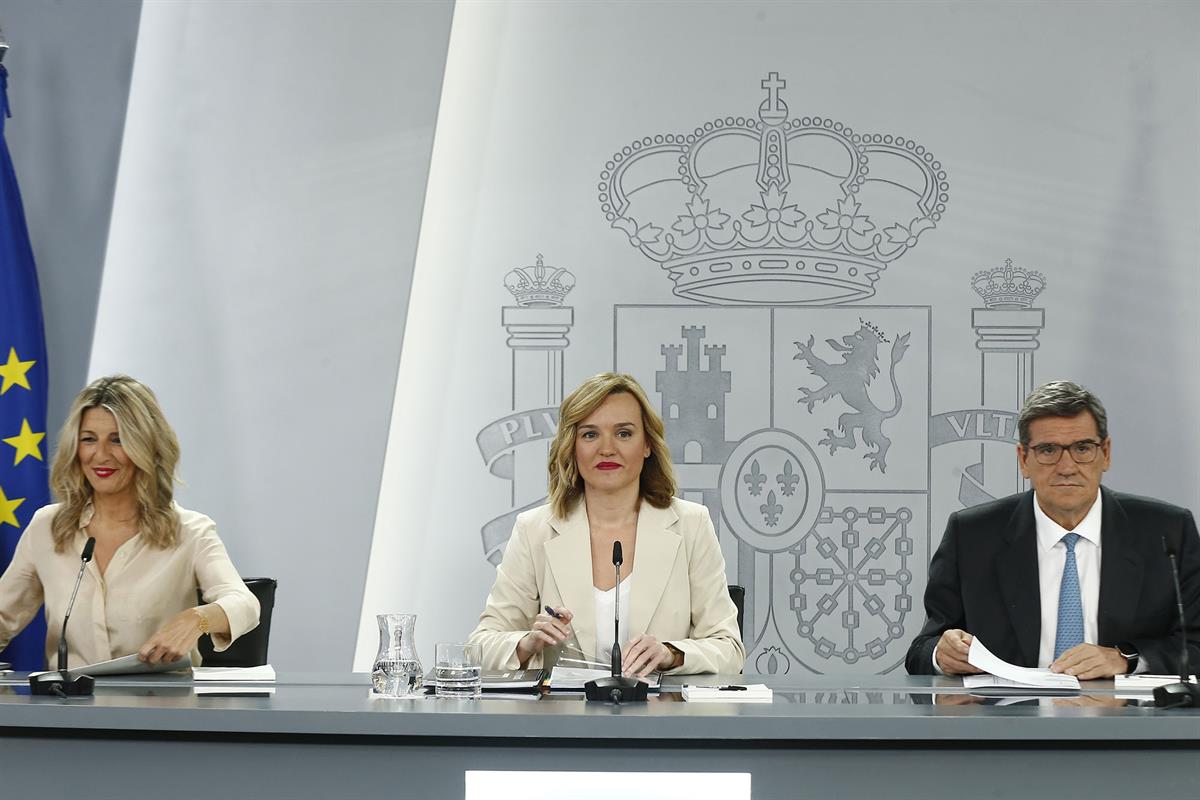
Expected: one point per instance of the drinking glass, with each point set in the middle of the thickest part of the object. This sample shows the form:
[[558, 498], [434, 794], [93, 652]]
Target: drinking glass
[[458, 670]]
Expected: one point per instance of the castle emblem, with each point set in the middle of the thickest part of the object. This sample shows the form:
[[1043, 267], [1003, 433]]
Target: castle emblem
[[767, 227], [773, 210]]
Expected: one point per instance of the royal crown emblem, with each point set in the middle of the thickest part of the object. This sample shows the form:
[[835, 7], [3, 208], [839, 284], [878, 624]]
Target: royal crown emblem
[[1008, 286], [539, 285], [773, 210]]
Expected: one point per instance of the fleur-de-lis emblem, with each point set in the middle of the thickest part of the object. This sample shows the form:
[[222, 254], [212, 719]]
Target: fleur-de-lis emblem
[[787, 479], [755, 479], [771, 510]]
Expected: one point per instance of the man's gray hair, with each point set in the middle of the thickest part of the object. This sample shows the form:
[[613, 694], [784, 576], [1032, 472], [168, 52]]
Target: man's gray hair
[[1060, 399]]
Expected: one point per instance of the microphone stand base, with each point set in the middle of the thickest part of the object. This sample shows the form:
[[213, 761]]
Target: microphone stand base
[[62, 683], [617, 689], [1177, 695]]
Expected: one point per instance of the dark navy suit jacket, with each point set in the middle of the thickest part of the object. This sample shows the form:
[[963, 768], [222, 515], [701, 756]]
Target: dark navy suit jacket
[[984, 580]]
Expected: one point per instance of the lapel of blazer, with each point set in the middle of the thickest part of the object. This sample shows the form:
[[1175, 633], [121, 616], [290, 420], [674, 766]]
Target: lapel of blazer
[[1121, 570], [657, 544], [1017, 574], [569, 557]]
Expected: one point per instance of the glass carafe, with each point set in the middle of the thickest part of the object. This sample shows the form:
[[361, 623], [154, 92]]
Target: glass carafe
[[397, 671]]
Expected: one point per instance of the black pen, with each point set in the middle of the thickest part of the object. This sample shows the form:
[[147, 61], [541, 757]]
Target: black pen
[[560, 618]]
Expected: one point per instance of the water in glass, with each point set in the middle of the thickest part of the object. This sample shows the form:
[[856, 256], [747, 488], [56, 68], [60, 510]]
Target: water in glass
[[457, 670]]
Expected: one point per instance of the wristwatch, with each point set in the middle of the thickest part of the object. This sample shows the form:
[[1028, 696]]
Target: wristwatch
[[1130, 654]]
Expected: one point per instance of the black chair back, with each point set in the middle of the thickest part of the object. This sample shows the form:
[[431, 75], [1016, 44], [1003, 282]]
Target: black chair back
[[249, 650], [738, 595]]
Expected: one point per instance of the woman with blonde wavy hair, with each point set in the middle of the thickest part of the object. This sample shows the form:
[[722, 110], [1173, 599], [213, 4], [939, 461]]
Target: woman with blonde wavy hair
[[113, 475], [611, 480]]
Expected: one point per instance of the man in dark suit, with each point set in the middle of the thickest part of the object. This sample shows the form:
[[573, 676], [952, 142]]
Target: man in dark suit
[[1070, 576]]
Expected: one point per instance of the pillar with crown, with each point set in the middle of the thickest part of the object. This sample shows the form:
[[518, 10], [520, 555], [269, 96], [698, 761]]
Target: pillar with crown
[[537, 330], [1007, 328]]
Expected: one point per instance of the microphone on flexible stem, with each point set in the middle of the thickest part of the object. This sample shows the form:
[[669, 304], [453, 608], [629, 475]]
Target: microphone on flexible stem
[[1185, 693], [616, 650], [616, 688], [61, 682]]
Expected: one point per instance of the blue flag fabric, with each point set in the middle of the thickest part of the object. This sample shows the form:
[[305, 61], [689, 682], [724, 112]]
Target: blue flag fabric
[[24, 462]]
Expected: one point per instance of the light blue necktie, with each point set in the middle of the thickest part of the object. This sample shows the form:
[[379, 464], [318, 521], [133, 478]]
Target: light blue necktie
[[1070, 603]]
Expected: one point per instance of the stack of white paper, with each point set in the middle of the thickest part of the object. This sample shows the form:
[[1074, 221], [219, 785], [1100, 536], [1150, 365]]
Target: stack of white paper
[[234, 674], [254, 681], [1145, 681], [748, 693], [999, 674], [573, 678]]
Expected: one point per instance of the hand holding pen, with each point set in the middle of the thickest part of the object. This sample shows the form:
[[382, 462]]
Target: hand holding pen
[[550, 628]]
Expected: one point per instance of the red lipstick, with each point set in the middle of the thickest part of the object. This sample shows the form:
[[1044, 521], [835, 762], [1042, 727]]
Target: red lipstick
[[608, 465]]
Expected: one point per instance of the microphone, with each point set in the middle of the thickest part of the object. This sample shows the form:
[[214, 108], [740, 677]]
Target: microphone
[[61, 682], [1185, 693], [616, 688], [616, 650], [88, 549]]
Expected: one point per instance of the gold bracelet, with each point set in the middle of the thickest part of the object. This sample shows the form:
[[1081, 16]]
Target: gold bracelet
[[676, 656], [205, 627]]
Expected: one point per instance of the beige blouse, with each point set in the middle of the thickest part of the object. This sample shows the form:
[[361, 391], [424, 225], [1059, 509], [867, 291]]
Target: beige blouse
[[142, 588]]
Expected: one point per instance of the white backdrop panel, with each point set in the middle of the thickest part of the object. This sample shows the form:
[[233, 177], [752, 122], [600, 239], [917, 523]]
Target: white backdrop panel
[[264, 224], [1069, 153]]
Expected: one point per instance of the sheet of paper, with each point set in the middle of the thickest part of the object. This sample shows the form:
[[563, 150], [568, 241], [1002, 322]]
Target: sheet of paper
[[987, 682], [979, 656], [574, 677], [234, 690], [130, 665], [506, 680], [1144, 681], [750, 693], [234, 674]]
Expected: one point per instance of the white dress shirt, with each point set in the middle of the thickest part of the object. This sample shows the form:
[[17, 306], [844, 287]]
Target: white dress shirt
[[143, 586], [1052, 557], [605, 602]]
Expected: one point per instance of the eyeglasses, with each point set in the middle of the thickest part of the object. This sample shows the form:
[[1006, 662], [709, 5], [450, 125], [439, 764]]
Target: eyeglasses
[[1082, 452]]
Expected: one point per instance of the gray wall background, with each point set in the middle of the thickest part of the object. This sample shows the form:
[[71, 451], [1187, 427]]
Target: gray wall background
[[69, 66], [1067, 135], [272, 172]]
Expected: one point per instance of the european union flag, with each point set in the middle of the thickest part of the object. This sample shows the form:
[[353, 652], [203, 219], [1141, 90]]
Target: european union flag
[[23, 462]]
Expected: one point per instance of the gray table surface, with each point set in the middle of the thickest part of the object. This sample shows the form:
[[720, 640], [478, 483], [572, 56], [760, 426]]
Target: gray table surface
[[881, 709]]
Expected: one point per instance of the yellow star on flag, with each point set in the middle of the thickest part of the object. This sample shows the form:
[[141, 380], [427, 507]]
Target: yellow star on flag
[[14, 372], [26, 442], [7, 507]]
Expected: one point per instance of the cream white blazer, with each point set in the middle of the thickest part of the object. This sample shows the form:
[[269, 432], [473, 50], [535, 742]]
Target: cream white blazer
[[679, 594]]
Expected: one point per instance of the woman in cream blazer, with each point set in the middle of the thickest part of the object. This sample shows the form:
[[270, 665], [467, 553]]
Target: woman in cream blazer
[[113, 474], [611, 479]]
